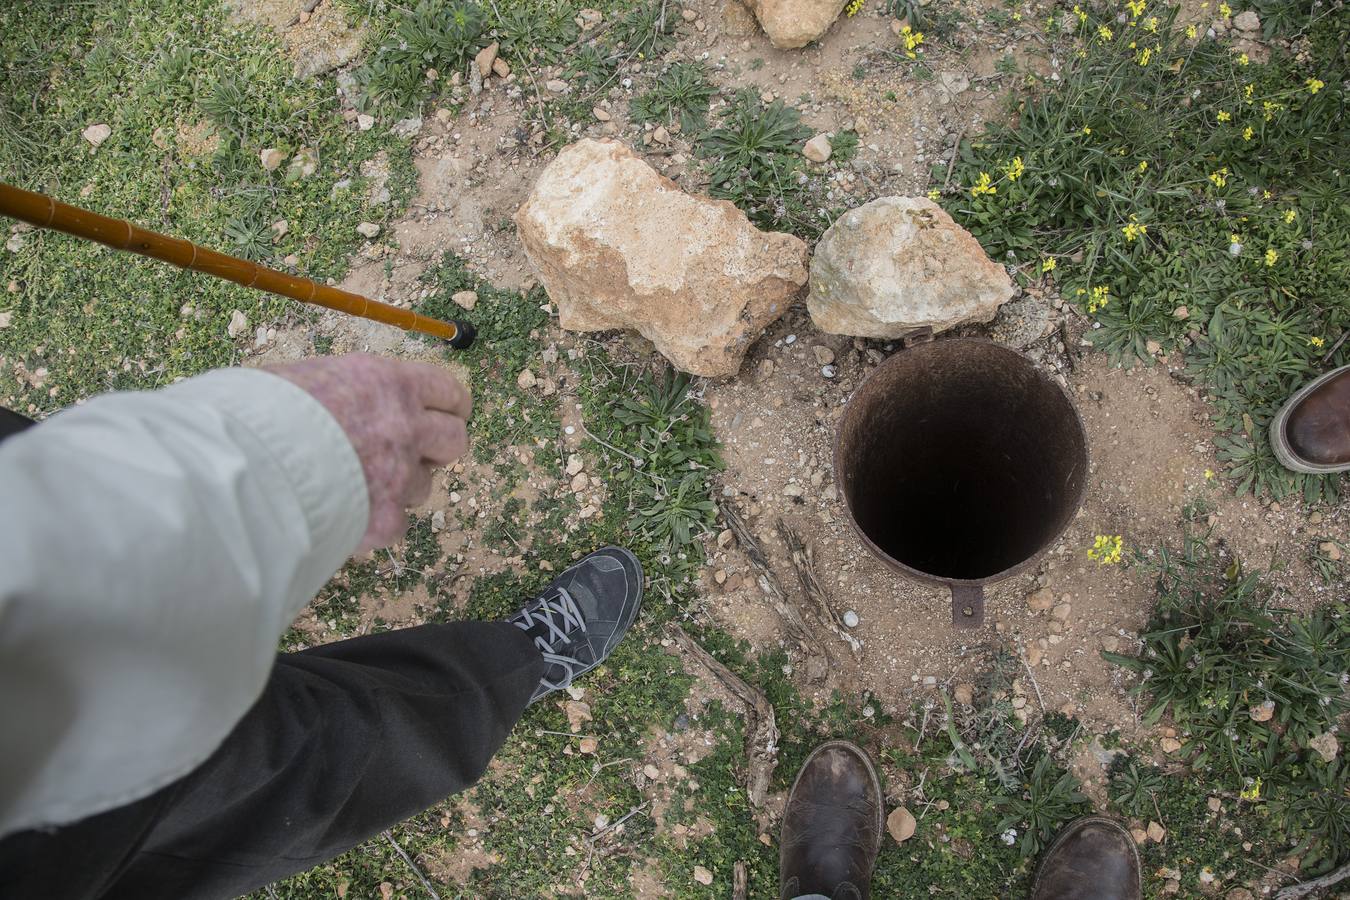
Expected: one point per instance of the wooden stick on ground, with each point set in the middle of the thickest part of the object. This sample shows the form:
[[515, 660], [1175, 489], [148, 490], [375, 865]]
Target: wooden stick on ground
[[804, 563], [761, 733], [1294, 891], [740, 882], [768, 582]]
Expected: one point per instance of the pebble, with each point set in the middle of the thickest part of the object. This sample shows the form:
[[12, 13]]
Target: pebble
[[580, 482], [271, 159], [465, 299], [824, 355], [556, 85], [1034, 655], [368, 229], [702, 875], [964, 694], [828, 371], [1330, 549], [97, 134], [526, 380], [818, 149], [589, 745], [1040, 601], [651, 771], [574, 464], [364, 121], [601, 114], [850, 619], [1061, 612], [1169, 745], [238, 324], [1156, 832], [501, 68], [689, 15]]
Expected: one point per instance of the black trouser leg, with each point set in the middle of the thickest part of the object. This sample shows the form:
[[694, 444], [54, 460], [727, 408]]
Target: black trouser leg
[[346, 740]]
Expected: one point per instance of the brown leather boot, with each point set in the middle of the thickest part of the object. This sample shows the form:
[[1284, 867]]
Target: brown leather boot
[[1311, 432], [831, 826], [1093, 858]]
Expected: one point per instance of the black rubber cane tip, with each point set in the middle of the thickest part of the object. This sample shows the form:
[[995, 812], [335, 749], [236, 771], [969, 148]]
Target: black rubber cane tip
[[464, 335]]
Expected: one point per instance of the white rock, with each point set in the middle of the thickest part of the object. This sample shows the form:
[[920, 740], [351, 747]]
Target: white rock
[[818, 149], [795, 23], [574, 464], [238, 324], [702, 875], [598, 228], [1247, 21], [526, 380], [271, 159], [365, 122], [898, 264], [465, 299], [850, 619], [96, 134], [368, 229]]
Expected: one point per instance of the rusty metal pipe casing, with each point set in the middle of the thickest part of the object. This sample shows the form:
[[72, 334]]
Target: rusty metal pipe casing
[[960, 463]]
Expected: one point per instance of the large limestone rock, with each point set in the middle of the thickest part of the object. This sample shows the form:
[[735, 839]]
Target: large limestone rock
[[795, 23], [618, 246], [901, 263]]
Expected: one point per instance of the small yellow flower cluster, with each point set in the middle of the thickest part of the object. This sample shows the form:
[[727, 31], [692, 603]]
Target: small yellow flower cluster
[[1048, 265], [1082, 16], [1151, 26], [1234, 239], [1271, 108], [911, 39], [1271, 256], [1143, 166], [1209, 474], [983, 185], [1014, 169], [1243, 59], [1316, 342], [1191, 32], [1133, 230], [1103, 33], [934, 194], [1106, 549], [1101, 296], [1290, 215], [1253, 792], [1219, 178], [854, 7], [1315, 85], [1247, 133], [1136, 8], [1087, 130], [1144, 56], [1225, 11], [1224, 115]]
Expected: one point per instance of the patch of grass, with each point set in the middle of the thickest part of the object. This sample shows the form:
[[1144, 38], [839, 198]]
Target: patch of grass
[[681, 93], [191, 99], [1253, 690], [433, 34], [1182, 192]]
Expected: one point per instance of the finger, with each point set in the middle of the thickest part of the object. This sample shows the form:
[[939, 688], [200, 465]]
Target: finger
[[387, 527], [442, 438], [438, 389], [418, 486]]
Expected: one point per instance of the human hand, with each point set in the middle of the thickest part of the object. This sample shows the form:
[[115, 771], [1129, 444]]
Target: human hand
[[403, 419]]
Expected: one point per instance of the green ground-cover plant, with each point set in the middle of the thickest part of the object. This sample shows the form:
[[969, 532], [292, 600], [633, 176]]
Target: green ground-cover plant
[[1182, 192], [191, 98], [439, 35], [1254, 691], [681, 93]]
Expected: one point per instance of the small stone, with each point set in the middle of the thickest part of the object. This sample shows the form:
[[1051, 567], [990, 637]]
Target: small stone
[[438, 521], [601, 822], [850, 619], [1262, 712], [1156, 832], [1111, 644], [574, 464], [1181, 312], [689, 15], [901, 824], [485, 58], [1214, 804], [1169, 745], [501, 68], [556, 86], [651, 771], [1247, 21], [601, 114], [1325, 745], [661, 135], [1139, 835], [1040, 601], [96, 134], [1034, 655], [1330, 550], [818, 149], [304, 163], [824, 355], [578, 713], [280, 228], [720, 576], [465, 299], [238, 324], [1152, 347], [964, 694], [1061, 612], [580, 483], [271, 159], [1019, 702], [6, 318], [702, 875], [588, 745], [368, 229], [725, 538], [364, 121], [526, 380]]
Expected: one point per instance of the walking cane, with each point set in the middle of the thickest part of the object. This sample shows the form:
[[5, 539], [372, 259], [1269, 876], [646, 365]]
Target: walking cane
[[44, 212]]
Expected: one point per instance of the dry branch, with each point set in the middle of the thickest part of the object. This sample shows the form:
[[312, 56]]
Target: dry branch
[[768, 581], [740, 882], [1294, 891], [761, 733], [804, 564]]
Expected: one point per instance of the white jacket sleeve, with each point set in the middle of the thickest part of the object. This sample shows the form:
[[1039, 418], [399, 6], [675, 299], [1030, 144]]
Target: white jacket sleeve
[[153, 548]]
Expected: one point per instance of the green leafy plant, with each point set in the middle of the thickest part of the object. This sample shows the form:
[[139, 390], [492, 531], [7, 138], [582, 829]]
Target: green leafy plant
[[681, 93], [435, 34], [1133, 786], [1050, 797], [1328, 559]]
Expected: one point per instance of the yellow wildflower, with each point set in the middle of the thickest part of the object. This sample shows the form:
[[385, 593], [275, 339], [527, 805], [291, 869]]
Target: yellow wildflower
[[1143, 166], [1225, 10], [1014, 169], [1290, 215], [1315, 85], [854, 6], [1087, 130], [1223, 116], [1106, 549], [1190, 32], [1101, 296], [1078, 11], [1234, 239], [934, 194], [1209, 474], [1243, 59], [1271, 108], [983, 185], [911, 39], [1247, 133], [1316, 342], [1145, 55], [1133, 230], [1103, 33], [1271, 256], [1136, 8], [1265, 195], [1219, 178], [1017, 17], [1048, 265], [1253, 792], [1248, 91]]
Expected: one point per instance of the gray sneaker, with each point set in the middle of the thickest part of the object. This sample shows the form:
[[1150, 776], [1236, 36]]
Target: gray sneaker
[[578, 619]]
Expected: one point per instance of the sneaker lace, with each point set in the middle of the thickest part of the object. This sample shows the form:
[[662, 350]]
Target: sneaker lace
[[558, 613]]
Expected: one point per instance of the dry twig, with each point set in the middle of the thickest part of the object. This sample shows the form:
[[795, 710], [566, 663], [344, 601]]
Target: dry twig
[[418, 872], [1294, 891], [761, 735], [768, 582], [804, 564], [740, 882]]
